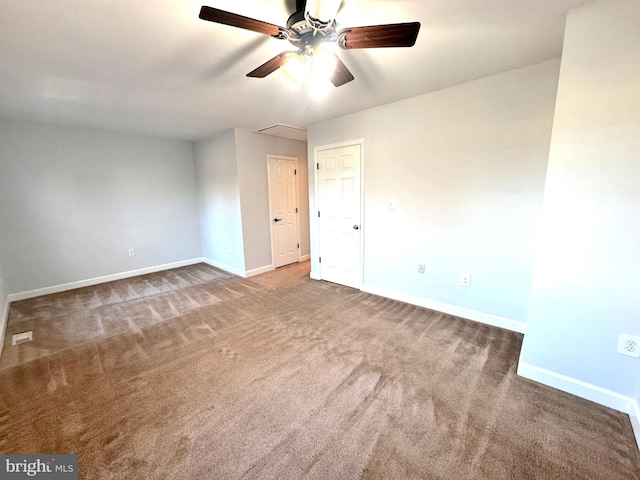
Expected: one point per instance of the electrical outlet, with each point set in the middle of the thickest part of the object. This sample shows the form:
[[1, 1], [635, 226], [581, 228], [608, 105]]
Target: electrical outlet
[[132, 252], [420, 268], [629, 345], [227, 249], [465, 280]]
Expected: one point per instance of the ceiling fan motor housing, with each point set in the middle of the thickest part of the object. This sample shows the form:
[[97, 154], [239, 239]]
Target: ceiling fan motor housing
[[305, 34]]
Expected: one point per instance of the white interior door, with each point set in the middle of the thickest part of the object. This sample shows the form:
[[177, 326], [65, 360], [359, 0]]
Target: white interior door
[[284, 210], [339, 206]]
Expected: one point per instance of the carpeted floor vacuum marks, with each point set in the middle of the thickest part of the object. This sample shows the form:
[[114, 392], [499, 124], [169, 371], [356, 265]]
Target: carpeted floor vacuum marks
[[193, 373]]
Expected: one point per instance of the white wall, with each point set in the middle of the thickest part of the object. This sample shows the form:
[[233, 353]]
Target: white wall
[[75, 200], [219, 201], [466, 168], [586, 287], [252, 150]]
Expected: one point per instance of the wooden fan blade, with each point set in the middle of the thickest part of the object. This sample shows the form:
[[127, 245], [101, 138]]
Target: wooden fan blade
[[379, 36], [341, 74], [234, 20], [269, 66]]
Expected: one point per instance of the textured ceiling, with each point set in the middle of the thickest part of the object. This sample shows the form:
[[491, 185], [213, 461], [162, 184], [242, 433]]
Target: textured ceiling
[[154, 68]]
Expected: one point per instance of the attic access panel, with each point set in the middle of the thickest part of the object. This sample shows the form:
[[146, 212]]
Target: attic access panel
[[284, 131]]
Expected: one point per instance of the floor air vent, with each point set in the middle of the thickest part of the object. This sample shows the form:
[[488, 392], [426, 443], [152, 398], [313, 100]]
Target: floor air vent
[[23, 337]]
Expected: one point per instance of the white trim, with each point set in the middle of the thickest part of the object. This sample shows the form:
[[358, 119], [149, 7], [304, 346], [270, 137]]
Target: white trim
[[635, 421], [304, 258], [258, 271], [331, 146], [585, 390], [316, 151], [14, 297], [297, 187], [4, 320], [237, 271], [225, 267], [314, 275], [241, 273], [581, 389], [486, 318]]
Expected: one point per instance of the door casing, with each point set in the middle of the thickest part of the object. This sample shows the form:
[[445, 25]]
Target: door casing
[[271, 213], [316, 270]]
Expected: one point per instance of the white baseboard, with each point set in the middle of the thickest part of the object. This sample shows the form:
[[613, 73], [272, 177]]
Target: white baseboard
[[14, 297], [315, 275], [4, 309], [258, 271], [581, 389], [576, 387], [304, 258], [224, 266], [237, 271], [486, 318], [635, 421]]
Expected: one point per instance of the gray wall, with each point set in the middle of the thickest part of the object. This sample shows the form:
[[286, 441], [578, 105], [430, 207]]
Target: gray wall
[[3, 306], [586, 288], [219, 201], [75, 200], [466, 168], [4, 291], [233, 197], [252, 149]]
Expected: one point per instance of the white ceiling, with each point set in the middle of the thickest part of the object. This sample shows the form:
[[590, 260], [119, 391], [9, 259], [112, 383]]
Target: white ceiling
[[153, 68]]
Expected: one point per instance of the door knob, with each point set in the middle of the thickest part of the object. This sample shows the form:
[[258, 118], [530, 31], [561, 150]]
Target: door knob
[[356, 227], [277, 219]]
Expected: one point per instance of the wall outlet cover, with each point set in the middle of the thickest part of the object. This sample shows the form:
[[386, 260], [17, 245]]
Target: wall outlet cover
[[629, 345], [465, 280]]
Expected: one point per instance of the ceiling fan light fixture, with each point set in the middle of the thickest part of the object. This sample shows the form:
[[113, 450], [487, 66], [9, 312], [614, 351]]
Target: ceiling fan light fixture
[[294, 67], [321, 13], [324, 62], [319, 87]]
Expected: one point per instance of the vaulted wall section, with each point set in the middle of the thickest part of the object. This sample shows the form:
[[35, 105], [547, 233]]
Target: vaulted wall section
[[586, 289]]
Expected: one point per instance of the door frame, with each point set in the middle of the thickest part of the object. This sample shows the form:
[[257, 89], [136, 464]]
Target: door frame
[[295, 163], [316, 267]]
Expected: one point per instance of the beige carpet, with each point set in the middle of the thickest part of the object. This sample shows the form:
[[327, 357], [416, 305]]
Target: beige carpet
[[193, 373]]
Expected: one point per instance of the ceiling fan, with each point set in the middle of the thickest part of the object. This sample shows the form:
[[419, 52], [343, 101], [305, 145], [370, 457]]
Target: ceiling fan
[[312, 26]]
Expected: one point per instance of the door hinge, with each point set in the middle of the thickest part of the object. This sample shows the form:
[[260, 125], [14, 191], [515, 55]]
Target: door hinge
[[317, 166], [298, 245], [296, 209], [295, 172], [319, 259], [318, 213]]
